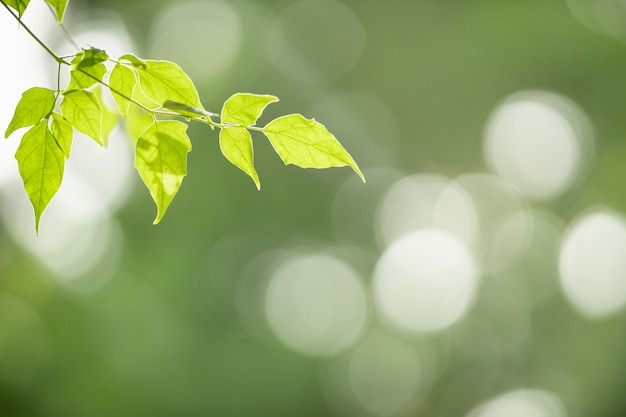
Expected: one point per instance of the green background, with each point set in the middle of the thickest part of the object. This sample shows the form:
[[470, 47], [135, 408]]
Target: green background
[[165, 335]]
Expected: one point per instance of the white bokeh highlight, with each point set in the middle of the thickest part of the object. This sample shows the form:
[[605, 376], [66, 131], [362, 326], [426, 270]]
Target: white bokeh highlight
[[592, 264], [316, 305], [425, 281], [521, 403], [539, 141], [426, 201]]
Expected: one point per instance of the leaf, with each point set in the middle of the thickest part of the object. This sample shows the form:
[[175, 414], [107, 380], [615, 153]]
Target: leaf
[[186, 111], [41, 163], [122, 81], [236, 145], [82, 110], [109, 117], [161, 159], [85, 77], [162, 81], [62, 132], [35, 104], [134, 61], [244, 109], [18, 5], [307, 143], [137, 122], [140, 97], [59, 7], [89, 57]]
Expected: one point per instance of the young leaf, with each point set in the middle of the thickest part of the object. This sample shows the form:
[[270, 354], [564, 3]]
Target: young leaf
[[161, 159], [134, 61], [82, 110], [122, 80], [137, 121], [85, 77], [89, 57], [187, 111], [245, 109], [307, 143], [59, 7], [236, 145], [62, 132], [109, 117], [41, 163], [35, 104], [18, 5], [163, 81]]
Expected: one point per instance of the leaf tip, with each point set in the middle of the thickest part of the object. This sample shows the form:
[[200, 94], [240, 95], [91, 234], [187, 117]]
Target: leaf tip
[[158, 217], [37, 219], [359, 173]]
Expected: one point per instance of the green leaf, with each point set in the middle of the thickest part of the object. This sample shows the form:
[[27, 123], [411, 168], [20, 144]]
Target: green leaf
[[89, 57], [161, 159], [137, 121], [187, 111], [82, 109], [244, 109], [41, 163], [59, 7], [236, 145], [134, 61], [307, 143], [35, 104], [162, 81], [85, 77], [18, 5], [62, 132], [122, 80], [109, 117]]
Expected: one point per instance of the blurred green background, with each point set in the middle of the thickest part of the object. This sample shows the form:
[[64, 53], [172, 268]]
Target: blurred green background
[[480, 272]]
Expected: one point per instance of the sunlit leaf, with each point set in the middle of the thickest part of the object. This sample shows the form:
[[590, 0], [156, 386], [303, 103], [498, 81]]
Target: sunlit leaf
[[140, 97], [307, 143], [82, 109], [59, 7], [41, 163], [62, 132], [137, 121], [89, 57], [18, 5], [236, 145], [185, 110], [163, 81], [35, 104], [123, 81], [133, 60], [244, 109], [161, 159], [84, 77], [109, 117]]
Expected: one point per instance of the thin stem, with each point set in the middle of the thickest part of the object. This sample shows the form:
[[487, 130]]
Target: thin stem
[[59, 79], [66, 32], [119, 93], [39, 41]]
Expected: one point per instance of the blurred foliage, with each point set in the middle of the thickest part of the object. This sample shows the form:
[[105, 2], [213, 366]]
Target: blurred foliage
[[166, 336]]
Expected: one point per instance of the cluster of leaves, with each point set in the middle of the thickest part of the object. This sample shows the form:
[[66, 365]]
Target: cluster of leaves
[[161, 93]]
